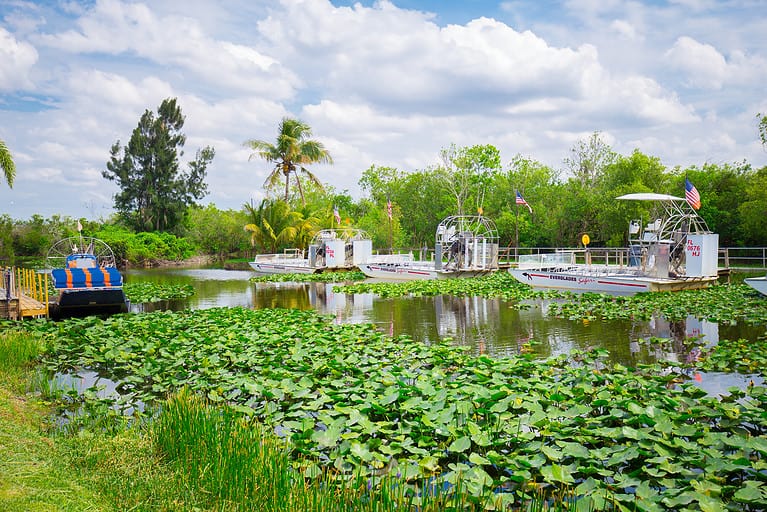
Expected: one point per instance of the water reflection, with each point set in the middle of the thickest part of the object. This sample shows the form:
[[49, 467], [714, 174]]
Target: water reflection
[[213, 287], [485, 326], [493, 326]]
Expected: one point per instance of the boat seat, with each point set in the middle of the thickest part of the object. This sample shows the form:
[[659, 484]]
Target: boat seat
[[98, 277]]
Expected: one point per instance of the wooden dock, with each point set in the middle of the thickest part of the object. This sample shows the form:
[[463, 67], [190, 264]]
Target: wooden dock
[[20, 307], [28, 297]]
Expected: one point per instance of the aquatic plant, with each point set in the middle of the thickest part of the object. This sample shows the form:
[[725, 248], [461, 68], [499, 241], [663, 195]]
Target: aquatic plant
[[497, 284], [721, 303], [233, 459], [17, 349], [319, 277], [143, 292], [354, 400]]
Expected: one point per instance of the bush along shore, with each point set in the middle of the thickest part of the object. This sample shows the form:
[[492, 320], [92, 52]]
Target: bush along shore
[[352, 405]]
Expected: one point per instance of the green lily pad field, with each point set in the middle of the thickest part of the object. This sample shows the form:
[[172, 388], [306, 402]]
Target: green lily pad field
[[351, 399]]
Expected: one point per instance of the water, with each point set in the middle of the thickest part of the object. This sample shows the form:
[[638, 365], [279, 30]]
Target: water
[[485, 326]]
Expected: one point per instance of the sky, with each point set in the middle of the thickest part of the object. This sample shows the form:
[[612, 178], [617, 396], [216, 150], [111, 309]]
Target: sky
[[385, 83]]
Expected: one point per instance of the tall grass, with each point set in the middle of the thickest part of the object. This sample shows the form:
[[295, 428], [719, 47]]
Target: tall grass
[[241, 467], [18, 350]]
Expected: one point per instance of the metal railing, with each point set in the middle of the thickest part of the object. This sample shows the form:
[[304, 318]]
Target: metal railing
[[734, 258]]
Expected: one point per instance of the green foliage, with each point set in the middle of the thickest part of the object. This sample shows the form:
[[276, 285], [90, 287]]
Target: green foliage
[[6, 240], [726, 191], [733, 196], [354, 400], [144, 248], [143, 292], [589, 159], [216, 231], [722, 303], [751, 221], [221, 452], [741, 356], [274, 226], [33, 237], [320, 277], [154, 192], [465, 173], [159, 246], [6, 164], [290, 154], [18, 352], [374, 220]]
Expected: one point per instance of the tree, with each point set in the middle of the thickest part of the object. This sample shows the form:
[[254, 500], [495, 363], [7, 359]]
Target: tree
[[762, 128], [589, 159], [380, 182], [154, 193], [466, 171], [292, 151], [217, 231], [538, 185], [6, 239], [273, 225], [6, 162], [751, 218]]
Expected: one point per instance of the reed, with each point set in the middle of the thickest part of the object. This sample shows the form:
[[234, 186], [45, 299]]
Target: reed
[[240, 466], [18, 350], [220, 451]]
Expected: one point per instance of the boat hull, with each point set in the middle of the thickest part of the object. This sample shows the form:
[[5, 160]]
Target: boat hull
[[86, 302], [615, 283], [757, 283], [270, 267], [401, 272]]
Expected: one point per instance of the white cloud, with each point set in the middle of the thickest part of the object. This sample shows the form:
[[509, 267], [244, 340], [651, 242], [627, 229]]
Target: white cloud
[[379, 85], [702, 64], [624, 29], [694, 5], [114, 27], [16, 61], [706, 68], [399, 59]]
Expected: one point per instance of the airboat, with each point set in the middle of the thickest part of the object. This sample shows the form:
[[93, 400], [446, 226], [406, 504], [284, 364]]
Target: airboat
[[330, 249], [675, 250], [85, 277], [465, 246]]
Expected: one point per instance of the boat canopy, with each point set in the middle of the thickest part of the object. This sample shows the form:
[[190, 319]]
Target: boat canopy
[[88, 278], [650, 196]]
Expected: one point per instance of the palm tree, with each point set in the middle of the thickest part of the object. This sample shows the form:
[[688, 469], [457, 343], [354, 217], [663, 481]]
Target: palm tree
[[6, 162], [273, 225], [290, 154]]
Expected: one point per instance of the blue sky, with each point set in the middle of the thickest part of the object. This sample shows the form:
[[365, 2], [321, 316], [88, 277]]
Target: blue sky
[[381, 83]]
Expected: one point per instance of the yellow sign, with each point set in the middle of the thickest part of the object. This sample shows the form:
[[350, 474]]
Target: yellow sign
[[585, 239]]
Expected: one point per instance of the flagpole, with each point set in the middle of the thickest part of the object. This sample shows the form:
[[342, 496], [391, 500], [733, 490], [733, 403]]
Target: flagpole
[[391, 228]]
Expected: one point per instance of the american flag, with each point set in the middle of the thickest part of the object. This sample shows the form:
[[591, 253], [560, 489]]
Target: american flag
[[388, 207], [336, 215], [691, 194], [521, 200]]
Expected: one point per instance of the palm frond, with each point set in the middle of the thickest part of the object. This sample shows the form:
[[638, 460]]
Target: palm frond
[[312, 177], [6, 163]]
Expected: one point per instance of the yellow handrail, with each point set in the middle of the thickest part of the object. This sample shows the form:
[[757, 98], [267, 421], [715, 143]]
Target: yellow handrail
[[33, 285]]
